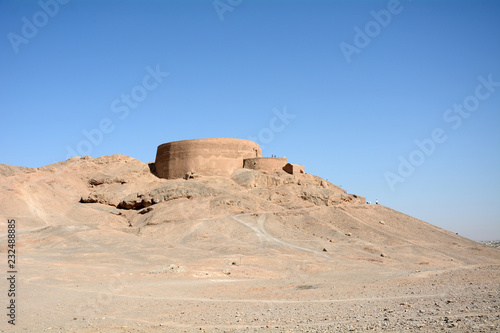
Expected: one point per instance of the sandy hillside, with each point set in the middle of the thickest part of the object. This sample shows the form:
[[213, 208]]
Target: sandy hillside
[[105, 245]]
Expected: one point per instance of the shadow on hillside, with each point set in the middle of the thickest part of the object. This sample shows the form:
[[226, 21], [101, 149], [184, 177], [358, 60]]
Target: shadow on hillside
[[152, 168]]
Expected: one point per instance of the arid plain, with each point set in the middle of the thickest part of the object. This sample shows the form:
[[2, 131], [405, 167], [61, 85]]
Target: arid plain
[[103, 245]]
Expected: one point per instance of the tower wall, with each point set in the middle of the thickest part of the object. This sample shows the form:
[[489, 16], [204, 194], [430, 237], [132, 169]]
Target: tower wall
[[294, 169], [208, 157], [265, 163]]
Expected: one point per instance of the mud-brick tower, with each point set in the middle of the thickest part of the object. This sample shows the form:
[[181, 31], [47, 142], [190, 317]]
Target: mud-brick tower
[[206, 157]]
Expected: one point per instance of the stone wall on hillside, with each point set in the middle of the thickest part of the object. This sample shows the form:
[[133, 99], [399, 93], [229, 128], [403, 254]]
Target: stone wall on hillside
[[270, 164], [294, 169]]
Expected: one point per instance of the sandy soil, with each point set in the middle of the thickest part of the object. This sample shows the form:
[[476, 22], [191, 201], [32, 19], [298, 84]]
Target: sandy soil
[[102, 245]]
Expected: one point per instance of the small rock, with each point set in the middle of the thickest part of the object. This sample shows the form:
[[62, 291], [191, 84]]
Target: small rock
[[325, 250], [145, 210], [190, 175], [382, 255], [381, 222]]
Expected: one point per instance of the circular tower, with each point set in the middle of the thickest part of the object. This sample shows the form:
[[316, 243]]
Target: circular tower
[[207, 157]]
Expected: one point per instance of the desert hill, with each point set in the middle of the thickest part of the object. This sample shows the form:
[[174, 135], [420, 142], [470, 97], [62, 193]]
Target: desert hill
[[106, 245]]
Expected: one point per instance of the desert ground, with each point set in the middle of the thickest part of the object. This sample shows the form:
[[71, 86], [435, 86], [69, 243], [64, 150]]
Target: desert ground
[[103, 245]]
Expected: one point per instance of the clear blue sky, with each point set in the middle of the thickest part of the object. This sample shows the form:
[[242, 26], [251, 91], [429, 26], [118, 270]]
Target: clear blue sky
[[358, 82]]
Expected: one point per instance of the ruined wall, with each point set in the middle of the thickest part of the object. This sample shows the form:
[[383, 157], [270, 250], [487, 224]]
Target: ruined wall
[[294, 169], [265, 163], [216, 156]]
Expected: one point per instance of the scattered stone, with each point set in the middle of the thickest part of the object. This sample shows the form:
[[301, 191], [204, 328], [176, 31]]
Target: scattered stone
[[190, 175], [169, 269], [306, 287], [145, 210]]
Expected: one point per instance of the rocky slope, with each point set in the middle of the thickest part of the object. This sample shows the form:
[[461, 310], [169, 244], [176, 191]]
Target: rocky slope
[[225, 244]]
